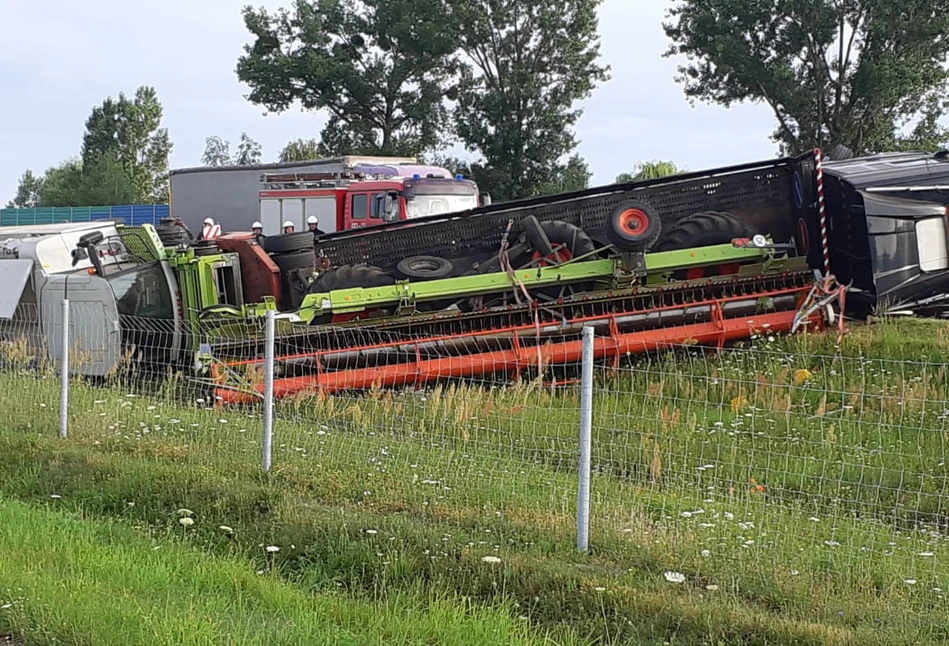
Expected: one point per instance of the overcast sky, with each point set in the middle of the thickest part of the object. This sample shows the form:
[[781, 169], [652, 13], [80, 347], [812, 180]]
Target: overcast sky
[[59, 58]]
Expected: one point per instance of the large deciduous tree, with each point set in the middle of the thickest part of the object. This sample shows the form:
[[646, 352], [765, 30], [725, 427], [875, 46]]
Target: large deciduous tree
[[130, 131], [380, 69], [866, 74], [525, 65]]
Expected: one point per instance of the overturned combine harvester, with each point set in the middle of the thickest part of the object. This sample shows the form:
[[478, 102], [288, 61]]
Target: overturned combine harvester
[[699, 258]]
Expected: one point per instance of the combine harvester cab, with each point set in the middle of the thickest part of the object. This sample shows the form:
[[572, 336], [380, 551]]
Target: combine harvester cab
[[886, 217], [700, 258]]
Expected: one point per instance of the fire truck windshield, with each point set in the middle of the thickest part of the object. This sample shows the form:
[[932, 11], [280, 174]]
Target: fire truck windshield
[[419, 206]]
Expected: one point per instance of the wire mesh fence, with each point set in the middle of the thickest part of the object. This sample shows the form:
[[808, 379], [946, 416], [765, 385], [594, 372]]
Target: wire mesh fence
[[784, 457]]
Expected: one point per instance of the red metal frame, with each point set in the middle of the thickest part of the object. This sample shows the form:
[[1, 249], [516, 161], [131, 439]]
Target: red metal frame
[[419, 371]]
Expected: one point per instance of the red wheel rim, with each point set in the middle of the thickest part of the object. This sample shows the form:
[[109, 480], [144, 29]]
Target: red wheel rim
[[633, 222], [560, 255]]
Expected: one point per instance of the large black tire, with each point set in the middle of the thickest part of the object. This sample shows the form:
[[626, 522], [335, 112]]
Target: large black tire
[[634, 226], [287, 242], [575, 239], [172, 233], [425, 267], [536, 236], [350, 276], [703, 230]]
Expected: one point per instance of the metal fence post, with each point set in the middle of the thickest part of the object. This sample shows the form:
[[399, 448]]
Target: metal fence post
[[64, 374], [586, 441], [268, 390]]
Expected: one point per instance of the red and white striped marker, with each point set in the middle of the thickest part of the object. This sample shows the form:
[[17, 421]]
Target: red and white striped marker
[[825, 245]]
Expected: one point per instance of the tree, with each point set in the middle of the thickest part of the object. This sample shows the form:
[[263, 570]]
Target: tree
[[129, 130], [379, 68], [102, 182], [300, 150], [27, 191], [525, 65], [217, 152], [248, 151], [834, 72], [573, 176], [649, 170]]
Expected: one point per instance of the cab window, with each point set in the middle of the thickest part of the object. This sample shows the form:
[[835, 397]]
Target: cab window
[[376, 204], [360, 206]]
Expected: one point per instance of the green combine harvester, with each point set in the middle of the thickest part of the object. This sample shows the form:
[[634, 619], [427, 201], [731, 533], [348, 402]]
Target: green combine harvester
[[505, 289]]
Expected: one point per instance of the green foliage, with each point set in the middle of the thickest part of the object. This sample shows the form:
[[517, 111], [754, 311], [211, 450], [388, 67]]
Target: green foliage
[[851, 72], [300, 150], [573, 176], [129, 130], [649, 170], [27, 191], [217, 152], [101, 182], [525, 65], [248, 151], [379, 68]]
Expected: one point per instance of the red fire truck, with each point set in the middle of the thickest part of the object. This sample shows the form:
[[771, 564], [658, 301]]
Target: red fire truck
[[359, 192]]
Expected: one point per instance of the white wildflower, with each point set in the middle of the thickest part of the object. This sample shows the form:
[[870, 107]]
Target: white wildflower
[[674, 577], [705, 553], [490, 559], [599, 589], [186, 522], [226, 529], [185, 512], [909, 581], [372, 531], [926, 554], [272, 549]]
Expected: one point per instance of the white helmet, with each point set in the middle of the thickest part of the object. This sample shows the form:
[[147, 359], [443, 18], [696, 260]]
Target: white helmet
[[256, 225], [288, 224], [209, 222], [312, 220]]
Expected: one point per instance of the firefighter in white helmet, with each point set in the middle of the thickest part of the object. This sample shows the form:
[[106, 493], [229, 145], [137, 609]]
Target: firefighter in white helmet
[[257, 228], [314, 225], [210, 230], [288, 227]]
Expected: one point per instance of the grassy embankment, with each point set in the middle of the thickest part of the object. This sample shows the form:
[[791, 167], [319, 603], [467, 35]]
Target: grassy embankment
[[800, 508]]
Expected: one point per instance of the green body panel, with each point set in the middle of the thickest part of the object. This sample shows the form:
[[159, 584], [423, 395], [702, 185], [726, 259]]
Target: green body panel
[[617, 272]]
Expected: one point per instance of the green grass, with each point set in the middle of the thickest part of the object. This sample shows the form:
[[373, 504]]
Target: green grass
[[65, 580], [809, 513]]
